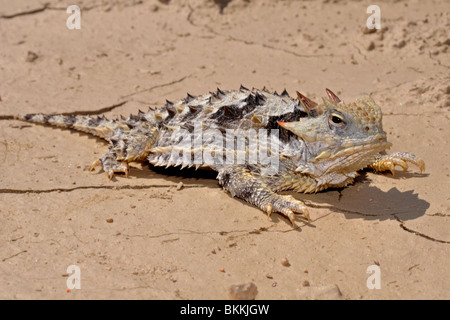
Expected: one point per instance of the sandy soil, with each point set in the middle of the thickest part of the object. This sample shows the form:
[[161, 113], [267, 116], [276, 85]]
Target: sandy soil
[[193, 243]]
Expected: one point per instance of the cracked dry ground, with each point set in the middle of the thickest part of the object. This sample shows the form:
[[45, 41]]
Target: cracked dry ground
[[141, 237]]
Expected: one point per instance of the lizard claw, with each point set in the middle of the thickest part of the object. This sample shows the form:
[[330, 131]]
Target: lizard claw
[[123, 167], [111, 167], [269, 209], [288, 206], [94, 165], [401, 159]]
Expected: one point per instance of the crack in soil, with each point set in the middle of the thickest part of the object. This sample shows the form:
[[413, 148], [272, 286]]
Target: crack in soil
[[239, 233], [402, 225], [390, 88], [331, 207], [124, 187], [247, 42], [25, 13], [44, 7], [95, 112], [14, 255], [157, 86], [6, 117], [77, 113]]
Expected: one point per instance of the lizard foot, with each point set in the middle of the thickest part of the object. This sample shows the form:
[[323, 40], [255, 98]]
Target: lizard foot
[[388, 162], [111, 166], [287, 205]]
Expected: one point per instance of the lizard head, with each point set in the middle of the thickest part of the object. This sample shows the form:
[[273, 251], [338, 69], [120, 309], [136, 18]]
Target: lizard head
[[340, 138]]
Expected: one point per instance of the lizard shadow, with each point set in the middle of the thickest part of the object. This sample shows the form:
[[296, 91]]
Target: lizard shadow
[[175, 175], [357, 201], [364, 201], [207, 178]]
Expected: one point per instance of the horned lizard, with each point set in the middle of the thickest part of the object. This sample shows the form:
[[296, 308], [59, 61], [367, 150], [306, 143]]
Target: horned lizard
[[312, 146]]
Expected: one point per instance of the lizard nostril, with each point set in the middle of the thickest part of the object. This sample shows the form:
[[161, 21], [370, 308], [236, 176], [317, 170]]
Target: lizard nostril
[[367, 128]]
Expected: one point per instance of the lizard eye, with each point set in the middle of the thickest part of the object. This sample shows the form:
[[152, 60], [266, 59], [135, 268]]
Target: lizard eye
[[336, 120]]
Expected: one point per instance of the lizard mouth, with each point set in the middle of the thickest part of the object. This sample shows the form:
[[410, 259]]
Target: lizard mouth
[[373, 145], [346, 161], [351, 157]]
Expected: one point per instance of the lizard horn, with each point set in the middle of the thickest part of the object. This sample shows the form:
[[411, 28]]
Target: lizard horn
[[309, 105], [333, 98]]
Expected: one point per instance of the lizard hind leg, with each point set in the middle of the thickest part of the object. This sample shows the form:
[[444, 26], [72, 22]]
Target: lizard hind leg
[[111, 165], [127, 147], [250, 187]]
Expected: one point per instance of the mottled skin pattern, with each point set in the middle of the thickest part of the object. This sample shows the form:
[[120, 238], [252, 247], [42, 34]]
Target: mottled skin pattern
[[320, 145]]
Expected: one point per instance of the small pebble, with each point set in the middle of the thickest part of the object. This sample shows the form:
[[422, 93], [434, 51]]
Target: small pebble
[[285, 262], [31, 56], [247, 291], [366, 30], [110, 220], [371, 46], [400, 45]]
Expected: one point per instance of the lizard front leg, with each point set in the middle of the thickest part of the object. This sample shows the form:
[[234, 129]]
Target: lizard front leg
[[249, 186], [387, 162]]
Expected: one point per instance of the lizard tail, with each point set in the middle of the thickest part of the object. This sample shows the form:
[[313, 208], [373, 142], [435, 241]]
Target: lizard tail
[[99, 126]]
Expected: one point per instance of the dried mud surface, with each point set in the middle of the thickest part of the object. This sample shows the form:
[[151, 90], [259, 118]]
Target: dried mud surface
[[141, 237]]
